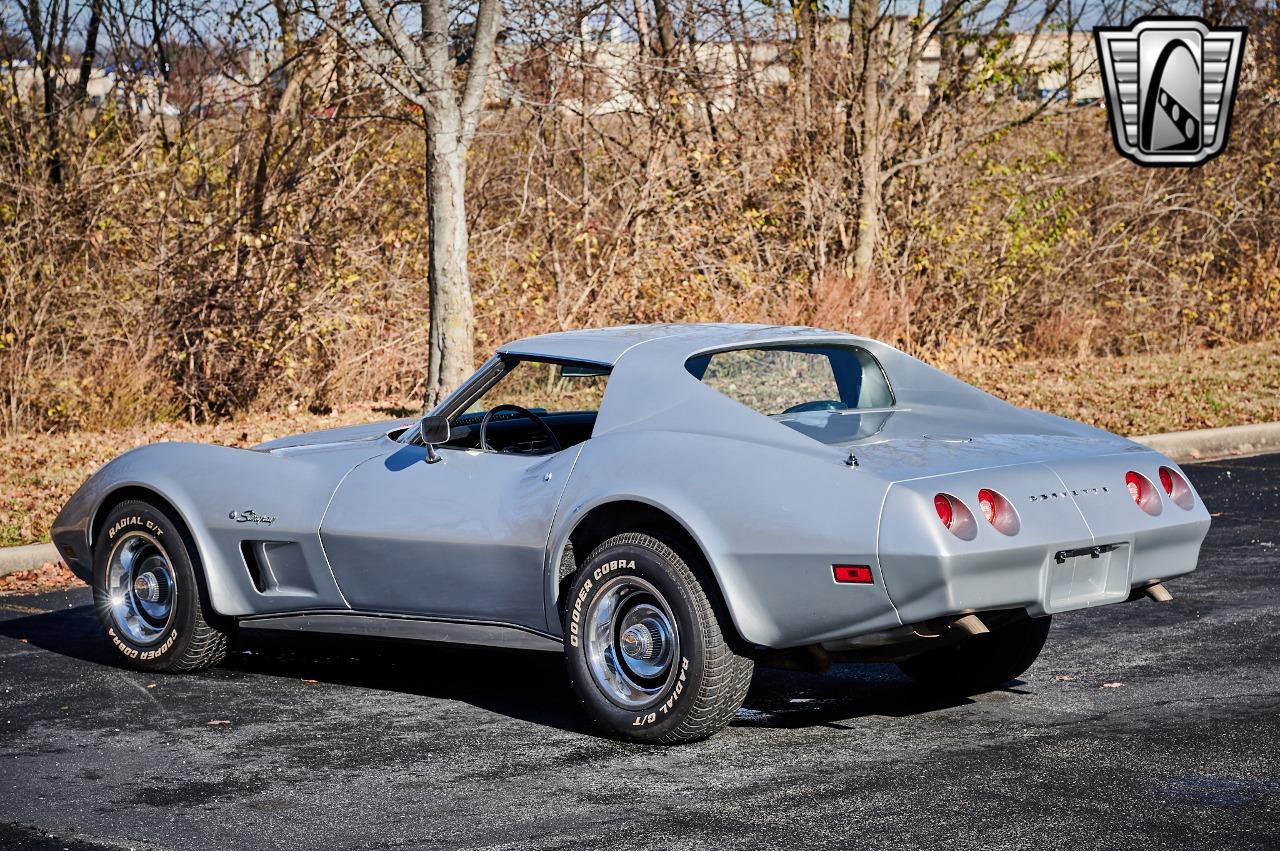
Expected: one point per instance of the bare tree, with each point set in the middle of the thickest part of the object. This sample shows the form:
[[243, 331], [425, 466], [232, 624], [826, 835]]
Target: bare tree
[[987, 82], [863, 18], [48, 28], [426, 77]]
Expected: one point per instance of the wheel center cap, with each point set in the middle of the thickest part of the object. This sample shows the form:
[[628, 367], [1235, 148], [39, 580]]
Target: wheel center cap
[[641, 641], [636, 643], [147, 588]]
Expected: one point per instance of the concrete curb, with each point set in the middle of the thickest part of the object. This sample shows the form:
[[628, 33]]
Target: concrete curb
[[13, 559], [1207, 444]]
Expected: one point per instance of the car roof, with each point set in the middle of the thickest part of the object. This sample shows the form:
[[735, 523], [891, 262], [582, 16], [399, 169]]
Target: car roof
[[607, 345]]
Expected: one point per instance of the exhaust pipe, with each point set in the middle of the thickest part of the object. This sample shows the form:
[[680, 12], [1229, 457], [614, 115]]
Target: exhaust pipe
[[970, 625], [1155, 591]]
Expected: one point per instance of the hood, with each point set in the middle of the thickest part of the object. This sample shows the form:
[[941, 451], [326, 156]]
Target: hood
[[332, 437]]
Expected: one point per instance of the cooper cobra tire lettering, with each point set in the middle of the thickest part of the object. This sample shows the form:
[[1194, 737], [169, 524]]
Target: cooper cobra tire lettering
[[575, 620], [121, 646], [616, 564], [162, 649]]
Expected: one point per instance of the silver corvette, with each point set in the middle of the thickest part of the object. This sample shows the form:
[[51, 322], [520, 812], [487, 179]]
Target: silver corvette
[[666, 505]]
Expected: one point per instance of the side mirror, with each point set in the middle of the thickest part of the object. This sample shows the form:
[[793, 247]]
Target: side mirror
[[434, 431]]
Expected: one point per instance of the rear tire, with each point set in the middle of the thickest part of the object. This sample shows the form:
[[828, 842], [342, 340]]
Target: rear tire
[[981, 662], [148, 595], [646, 654]]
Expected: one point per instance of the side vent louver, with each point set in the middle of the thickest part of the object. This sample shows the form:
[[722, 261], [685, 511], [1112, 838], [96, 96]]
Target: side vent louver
[[257, 571]]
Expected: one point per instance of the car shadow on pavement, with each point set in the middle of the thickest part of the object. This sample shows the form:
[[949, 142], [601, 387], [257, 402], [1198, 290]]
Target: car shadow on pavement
[[72, 632], [525, 685], [791, 700]]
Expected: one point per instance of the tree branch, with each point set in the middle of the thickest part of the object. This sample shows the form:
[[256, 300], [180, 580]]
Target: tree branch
[[395, 37], [478, 73]]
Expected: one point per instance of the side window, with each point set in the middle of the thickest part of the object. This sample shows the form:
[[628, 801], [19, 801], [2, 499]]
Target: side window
[[785, 380]]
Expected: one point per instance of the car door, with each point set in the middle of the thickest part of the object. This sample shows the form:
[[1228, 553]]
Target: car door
[[462, 538]]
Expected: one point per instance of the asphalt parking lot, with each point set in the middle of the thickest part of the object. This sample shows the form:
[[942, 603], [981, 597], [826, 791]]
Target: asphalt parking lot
[[1142, 725]]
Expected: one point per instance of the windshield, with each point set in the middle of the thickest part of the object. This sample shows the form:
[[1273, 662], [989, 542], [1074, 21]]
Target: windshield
[[543, 387]]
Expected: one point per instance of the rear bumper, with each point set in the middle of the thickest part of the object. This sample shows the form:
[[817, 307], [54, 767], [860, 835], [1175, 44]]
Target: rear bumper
[[1088, 547]]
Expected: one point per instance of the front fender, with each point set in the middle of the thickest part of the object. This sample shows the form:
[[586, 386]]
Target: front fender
[[205, 485]]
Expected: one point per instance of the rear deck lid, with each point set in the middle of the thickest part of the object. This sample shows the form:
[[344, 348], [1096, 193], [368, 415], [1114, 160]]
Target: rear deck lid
[[918, 442]]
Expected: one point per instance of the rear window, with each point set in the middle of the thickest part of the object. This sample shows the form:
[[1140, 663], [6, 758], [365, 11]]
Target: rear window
[[802, 386]]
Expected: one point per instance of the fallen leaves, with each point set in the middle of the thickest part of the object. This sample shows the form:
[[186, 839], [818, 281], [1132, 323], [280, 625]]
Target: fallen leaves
[[48, 577], [218, 722], [1112, 685]]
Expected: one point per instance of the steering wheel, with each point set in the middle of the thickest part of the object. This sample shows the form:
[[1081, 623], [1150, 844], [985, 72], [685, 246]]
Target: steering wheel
[[541, 423], [820, 405]]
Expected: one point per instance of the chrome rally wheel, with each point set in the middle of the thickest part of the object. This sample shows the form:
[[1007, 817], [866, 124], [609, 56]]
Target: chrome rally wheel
[[142, 588], [632, 641]]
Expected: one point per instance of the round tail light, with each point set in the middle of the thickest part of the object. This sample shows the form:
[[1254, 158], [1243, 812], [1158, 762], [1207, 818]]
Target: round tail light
[[1136, 485], [989, 505], [1143, 492], [998, 511], [1177, 488], [942, 504]]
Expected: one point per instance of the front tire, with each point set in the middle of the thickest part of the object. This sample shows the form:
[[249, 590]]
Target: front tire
[[647, 655], [147, 594], [981, 662]]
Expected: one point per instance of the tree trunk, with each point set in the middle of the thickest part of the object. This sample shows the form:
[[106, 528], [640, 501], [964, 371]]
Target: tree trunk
[[869, 152], [666, 29], [451, 357], [450, 125], [804, 12], [49, 75], [44, 40], [90, 49]]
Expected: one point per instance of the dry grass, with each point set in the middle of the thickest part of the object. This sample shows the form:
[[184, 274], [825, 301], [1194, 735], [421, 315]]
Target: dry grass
[[45, 469], [1147, 394], [165, 283], [1139, 394]]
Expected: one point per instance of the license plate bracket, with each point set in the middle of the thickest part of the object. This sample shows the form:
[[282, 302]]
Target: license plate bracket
[[1087, 576], [1096, 551]]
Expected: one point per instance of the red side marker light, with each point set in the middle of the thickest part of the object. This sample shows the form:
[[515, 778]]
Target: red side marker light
[[857, 573]]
